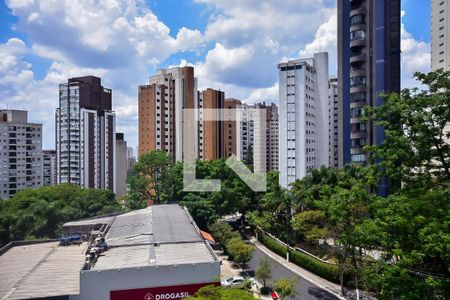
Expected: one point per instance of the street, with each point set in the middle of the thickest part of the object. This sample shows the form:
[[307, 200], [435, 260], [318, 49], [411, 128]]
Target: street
[[305, 289]]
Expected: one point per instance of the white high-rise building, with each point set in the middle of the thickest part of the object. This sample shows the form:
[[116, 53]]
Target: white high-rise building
[[85, 134], [244, 130], [334, 119], [20, 153], [440, 35], [49, 167], [303, 117]]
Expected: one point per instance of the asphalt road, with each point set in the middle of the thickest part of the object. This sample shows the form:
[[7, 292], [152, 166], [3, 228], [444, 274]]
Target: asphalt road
[[306, 290]]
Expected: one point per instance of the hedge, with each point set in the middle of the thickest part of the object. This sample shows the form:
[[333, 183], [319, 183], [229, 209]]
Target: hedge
[[324, 270]]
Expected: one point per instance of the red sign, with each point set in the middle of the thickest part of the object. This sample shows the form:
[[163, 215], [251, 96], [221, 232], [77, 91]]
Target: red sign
[[160, 293]]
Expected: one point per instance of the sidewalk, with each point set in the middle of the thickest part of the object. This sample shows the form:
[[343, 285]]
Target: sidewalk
[[229, 269], [331, 287]]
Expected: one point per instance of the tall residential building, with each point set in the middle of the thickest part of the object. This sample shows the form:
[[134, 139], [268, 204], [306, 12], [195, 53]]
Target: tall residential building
[[49, 167], [131, 159], [440, 35], [20, 153], [271, 132], [303, 119], [121, 163], [244, 131], [334, 121], [161, 104], [85, 134], [257, 132], [231, 127], [211, 133], [368, 64]]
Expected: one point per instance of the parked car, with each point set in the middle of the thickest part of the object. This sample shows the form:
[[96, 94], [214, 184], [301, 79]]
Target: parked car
[[234, 282]]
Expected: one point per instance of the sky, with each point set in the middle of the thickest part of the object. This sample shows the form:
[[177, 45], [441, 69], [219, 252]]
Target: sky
[[233, 45]]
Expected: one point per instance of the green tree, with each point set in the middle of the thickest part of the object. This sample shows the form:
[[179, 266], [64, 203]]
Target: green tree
[[413, 229], [285, 287], [241, 252], [278, 202], [311, 224], [264, 271], [416, 148], [39, 213], [248, 159], [154, 179], [346, 206], [202, 210], [221, 293], [262, 219], [223, 232], [412, 225], [138, 192]]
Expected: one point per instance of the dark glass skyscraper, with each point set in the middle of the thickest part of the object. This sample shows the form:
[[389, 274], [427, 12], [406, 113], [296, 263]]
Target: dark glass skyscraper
[[368, 64]]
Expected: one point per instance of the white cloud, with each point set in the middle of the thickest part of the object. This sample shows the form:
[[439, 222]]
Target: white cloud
[[103, 34], [268, 95], [118, 40], [251, 37], [416, 57], [121, 40], [325, 40]]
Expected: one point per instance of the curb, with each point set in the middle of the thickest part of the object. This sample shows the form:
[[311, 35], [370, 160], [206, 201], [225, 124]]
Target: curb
[[285, 264]]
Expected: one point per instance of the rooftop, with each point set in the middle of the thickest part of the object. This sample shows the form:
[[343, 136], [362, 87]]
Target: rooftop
[[41, 270], [155, 236]]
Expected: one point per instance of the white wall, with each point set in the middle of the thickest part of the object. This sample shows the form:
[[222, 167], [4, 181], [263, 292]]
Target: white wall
[[436, 32], [96, 285], [322, 112], [311, 106]]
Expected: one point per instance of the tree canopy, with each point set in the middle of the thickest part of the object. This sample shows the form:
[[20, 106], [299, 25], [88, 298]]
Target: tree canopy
[[32, 214]]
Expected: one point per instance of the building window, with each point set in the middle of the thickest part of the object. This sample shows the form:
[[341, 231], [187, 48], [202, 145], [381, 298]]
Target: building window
[[357, 19], [358, 81], [356, 112], [356, 97], [358, 158], [357, 35], [358, 142]]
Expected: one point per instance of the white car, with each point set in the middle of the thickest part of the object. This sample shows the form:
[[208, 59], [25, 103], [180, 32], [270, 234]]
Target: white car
[[235, 282]]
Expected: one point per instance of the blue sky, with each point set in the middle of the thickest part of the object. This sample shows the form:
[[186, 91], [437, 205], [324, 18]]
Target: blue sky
[[234, 46]]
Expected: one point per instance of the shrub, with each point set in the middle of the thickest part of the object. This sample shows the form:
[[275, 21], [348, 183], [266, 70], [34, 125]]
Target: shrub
[[324, 270]]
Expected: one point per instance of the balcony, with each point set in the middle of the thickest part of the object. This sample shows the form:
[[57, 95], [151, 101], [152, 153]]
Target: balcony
[[358, 10], [358, 58], [357, 72], [357, 42], [358, 135]]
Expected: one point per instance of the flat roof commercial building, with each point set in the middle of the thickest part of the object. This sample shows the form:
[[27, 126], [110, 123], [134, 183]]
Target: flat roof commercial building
[[154, 253]]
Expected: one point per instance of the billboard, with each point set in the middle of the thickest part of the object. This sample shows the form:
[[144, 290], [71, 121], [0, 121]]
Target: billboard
[[159, 293]]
